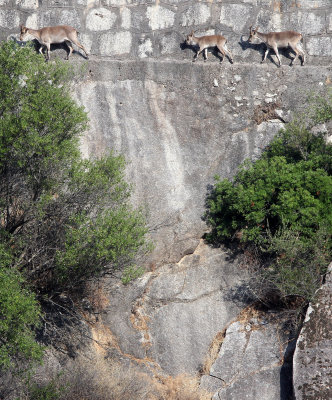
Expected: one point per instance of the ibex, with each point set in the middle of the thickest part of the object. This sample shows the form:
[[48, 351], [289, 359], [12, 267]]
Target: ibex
[[205, 42], [273, 40], [51, 35]]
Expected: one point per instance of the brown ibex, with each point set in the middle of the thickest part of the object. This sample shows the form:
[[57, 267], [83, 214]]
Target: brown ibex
[[52, 35], [274, 40], [204, 42]]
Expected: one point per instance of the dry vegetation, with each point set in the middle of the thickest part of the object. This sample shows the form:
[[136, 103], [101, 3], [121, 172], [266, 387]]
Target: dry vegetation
[[102, 379]]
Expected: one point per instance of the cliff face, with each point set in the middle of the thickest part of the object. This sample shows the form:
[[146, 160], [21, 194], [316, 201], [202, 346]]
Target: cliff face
[[180, 123]]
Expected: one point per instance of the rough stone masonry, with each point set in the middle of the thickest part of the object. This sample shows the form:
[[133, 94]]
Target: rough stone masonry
[[130, 29]]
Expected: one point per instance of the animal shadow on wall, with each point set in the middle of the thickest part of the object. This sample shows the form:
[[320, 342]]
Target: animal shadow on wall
[[284, 43], [202, 45], [261, 48], [54, 47], [192, 50], [57, 47]]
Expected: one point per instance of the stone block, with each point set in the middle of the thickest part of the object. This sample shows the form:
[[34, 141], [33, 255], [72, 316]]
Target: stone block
[[115, 43], [160, 17], [196, 15], [117, 2], [38, 20], [59, 3], [100, 19], [313, 4], [310, 23], [9, 19], [125, 14], [235, 16], [68, 17], [319, 46], [169, 43], [145, 49], [27, 4]]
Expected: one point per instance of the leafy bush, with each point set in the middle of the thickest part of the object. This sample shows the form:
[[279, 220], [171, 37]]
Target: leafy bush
[[282, 204], [49, 391], [19, 311]]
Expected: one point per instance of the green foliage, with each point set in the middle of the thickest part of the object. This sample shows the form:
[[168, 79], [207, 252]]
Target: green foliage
[[130, 273], [282, 203], [66, 219], [39, 122], [19, 311], [52, 390], [267, 194]]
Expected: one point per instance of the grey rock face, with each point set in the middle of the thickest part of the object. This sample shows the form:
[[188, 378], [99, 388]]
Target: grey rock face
[[313, 354], [172, 315], [250, 362], [179, 124]]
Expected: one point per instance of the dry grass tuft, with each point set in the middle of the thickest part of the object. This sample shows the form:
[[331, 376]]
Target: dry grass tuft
[[181, 387], [97, 297], [104, 379], [101, 380], [213, 352]]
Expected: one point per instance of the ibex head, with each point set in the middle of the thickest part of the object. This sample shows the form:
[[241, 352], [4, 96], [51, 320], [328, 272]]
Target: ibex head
[[23, 32], [252, 34], [190, 38]]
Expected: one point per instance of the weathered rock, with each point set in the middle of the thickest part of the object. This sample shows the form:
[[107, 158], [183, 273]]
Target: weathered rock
[[172, 315], [178, 129], [313, 354], [251, 361]]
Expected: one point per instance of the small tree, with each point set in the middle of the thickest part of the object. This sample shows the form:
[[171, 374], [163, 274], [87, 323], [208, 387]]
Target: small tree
[[63, 220], [66, 219]]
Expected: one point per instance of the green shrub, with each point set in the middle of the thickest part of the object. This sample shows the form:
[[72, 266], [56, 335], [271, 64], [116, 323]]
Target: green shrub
[[282, 204], [51, 390]]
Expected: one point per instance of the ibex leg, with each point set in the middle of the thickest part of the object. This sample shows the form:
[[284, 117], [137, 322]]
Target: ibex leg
[[222, 51], [300, 49], [48, 50], [78, 44], [265, 55], [68, 43], [229, 54], [275, 48], [198, 52], [296, 54], [205, 55]]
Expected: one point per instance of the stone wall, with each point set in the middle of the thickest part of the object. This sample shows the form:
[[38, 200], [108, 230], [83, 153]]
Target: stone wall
[[143, 29]]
